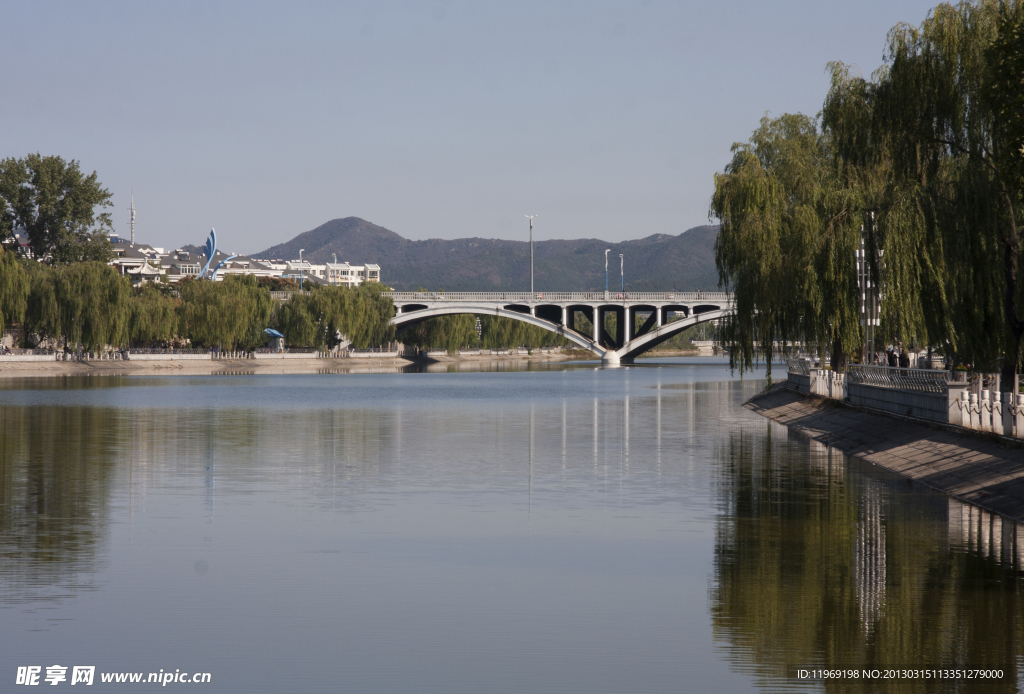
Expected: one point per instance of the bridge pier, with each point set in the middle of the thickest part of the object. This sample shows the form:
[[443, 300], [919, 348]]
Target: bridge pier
[[610, 358]]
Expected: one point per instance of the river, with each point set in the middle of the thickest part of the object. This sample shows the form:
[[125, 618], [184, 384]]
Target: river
[[565, 528]]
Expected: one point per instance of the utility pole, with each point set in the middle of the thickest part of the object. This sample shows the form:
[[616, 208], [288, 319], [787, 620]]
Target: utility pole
[[622, 274], [606, 252], [300, 268], [530, 217], [869, 293]]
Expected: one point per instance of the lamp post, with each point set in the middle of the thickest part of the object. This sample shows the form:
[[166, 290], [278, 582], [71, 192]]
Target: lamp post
[[606, 252], [622, 274], [530, 217], [300, 268]]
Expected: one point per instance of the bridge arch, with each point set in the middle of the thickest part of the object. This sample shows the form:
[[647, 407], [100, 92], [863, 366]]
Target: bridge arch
[[652, 339], [403, 320]]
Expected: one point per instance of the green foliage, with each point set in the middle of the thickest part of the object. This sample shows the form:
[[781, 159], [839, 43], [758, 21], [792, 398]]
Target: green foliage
[[57, 206], [927, 155], [86, 304], [1004, 91], [14, 289], [362, 314], [230, 314], [790, 221], [42, 315], [92, 305], [498, 332], [943, 121], [278, 284], [153, 318], [451, 333]]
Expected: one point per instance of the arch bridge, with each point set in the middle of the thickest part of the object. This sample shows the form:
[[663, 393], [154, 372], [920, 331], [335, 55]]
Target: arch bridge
[[580, 317]]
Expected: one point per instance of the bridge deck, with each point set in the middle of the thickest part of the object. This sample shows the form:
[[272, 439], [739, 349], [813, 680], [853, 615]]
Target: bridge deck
[[550, 297]]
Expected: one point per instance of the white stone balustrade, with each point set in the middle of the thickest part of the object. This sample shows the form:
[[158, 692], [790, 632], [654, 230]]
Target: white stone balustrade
[[927, 394]]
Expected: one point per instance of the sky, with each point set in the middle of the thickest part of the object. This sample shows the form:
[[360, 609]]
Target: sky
[[440, 119]]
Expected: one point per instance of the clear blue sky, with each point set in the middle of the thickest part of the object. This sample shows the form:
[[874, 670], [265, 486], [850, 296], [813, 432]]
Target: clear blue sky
[[434, 119]]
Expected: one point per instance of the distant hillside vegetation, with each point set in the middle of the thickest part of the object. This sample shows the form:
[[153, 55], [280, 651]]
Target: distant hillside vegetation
[[657, 263]]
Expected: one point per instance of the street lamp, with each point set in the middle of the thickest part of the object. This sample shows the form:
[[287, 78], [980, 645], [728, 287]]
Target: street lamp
[[606, 252], [300, 268], [622, 273], [530, 217]]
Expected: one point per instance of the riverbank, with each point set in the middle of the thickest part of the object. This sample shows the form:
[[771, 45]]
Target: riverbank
[[663, 353], [984, 471], [190, 368], [36, 369]]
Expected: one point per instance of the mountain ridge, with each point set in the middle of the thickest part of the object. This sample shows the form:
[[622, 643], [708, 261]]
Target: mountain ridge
[[671, 263]]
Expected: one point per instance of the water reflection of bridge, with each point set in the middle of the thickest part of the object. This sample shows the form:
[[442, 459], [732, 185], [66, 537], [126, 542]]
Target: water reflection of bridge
[[642, 320]]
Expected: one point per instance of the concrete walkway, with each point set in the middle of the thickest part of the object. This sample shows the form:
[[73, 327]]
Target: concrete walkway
[[975, 469]]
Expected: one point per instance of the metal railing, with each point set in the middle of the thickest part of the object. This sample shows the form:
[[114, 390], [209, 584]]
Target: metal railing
[[799, 366], [285, 296], [534, 297], [22, 352], [922, 380], [170, 350], [289, 350]]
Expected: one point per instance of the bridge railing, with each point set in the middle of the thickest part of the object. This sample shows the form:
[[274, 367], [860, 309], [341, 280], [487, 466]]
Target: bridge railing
[[535, 297], [924, 380]]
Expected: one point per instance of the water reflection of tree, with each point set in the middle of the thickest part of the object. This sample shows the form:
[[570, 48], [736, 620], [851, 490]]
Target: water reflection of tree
[[818, 565], [56, 470]]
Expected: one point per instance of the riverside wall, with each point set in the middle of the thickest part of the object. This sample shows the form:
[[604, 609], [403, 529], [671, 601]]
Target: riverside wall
[[984, 470]]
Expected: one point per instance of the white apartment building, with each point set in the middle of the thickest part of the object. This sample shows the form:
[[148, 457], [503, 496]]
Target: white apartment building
[[142, 262], [346, 274]]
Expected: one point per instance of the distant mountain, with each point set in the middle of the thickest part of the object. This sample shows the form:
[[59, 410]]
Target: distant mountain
[[657, 263]]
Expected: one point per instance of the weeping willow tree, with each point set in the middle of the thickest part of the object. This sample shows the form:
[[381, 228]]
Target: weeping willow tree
[[317, 319], [14, 289], [450, 333], [41, 318], [943, 117], [790, 215], [498, 332], [227, 314], [82, 304], [153, 316], [91, 302]]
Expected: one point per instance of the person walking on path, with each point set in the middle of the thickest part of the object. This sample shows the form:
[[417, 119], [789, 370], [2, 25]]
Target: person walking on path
[[904, 360]]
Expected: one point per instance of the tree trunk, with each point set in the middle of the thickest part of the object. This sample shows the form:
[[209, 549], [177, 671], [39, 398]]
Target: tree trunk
[[838, 360]]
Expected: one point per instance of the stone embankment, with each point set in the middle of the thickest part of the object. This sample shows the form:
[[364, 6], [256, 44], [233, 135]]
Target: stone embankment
[[168, 367], [297, 363], [979, 469]]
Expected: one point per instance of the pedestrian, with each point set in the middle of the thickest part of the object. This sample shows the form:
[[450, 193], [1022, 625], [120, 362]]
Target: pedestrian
[[904, 360], [891, 358]]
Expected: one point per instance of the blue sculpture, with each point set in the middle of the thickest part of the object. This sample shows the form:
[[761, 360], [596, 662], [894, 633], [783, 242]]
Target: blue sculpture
[[211, 250], [213, 276]]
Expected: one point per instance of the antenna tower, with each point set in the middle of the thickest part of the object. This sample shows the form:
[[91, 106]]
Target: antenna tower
[[131, 218]]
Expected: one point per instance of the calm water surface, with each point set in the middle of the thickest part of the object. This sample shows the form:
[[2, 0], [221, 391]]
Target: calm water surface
[[565, 529]]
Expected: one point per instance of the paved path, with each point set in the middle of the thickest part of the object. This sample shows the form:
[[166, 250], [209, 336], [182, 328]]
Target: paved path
[[977, 470]]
